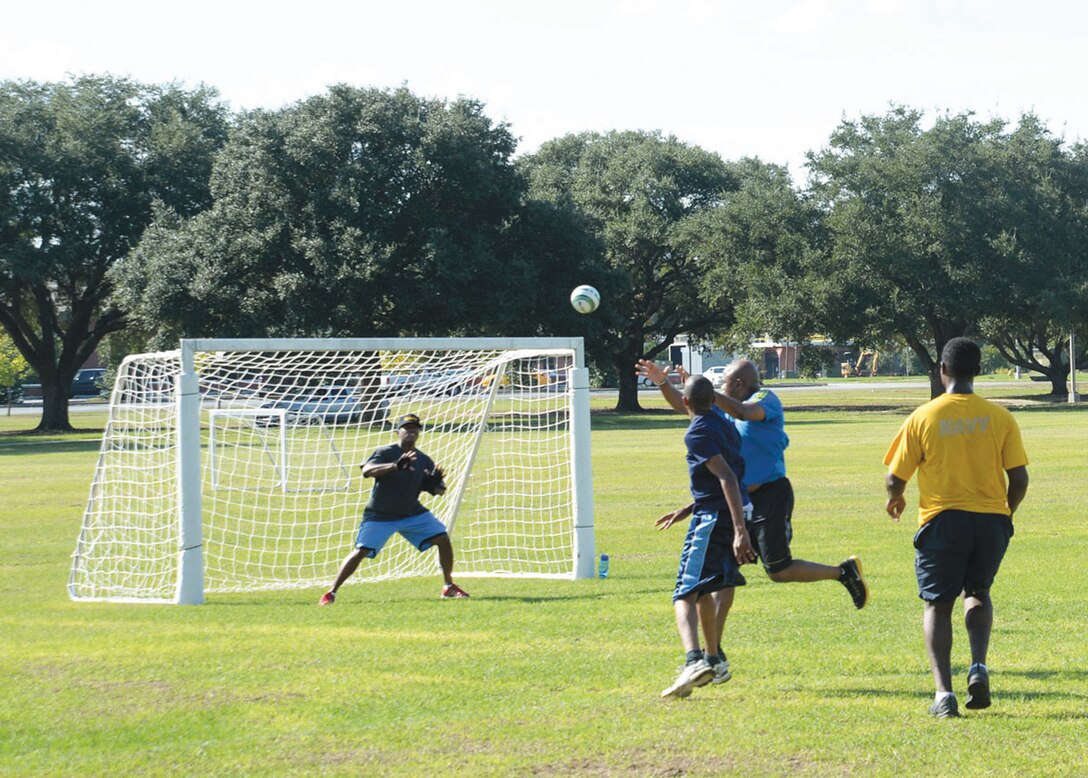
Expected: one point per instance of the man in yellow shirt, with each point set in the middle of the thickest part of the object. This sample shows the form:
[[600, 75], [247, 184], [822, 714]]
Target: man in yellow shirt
[[962, 447]]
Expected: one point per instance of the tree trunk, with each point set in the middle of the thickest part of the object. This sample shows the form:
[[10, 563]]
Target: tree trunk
[[1058, 375], [625, 371], [930, 365], [936, 386], [54, 408], [1058, 369]]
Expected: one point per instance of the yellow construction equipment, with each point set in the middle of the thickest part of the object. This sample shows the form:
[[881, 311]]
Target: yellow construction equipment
[[866, 363]]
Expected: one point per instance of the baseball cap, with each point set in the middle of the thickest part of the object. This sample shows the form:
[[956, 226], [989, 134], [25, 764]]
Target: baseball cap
[[409, 418]]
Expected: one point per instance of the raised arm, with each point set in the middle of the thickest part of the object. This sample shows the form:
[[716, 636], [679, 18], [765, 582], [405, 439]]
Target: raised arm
[[644, 368], [740, 410]]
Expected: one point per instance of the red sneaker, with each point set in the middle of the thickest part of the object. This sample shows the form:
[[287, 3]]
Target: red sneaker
[[450, 591], [328, 598]]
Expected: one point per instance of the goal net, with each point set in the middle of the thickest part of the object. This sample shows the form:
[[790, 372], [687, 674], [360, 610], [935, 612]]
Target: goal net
[[234, 465]]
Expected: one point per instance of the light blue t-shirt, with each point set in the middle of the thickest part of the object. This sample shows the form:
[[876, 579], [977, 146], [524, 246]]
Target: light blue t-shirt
[[763, 443]]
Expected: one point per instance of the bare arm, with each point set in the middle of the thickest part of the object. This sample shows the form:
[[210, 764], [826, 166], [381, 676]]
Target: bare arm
[[896, 502], [670, 518], [735, 408], [1018, 486], [742, 545], [738, 409], [660, 376], [375, 470]]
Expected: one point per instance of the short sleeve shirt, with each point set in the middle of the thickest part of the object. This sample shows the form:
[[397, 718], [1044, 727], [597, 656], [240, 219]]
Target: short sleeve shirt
[[708, 435], [763, 443], [961, 445], [396, 495]]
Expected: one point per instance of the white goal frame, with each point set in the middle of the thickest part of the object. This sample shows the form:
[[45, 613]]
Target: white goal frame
[[187, 442]]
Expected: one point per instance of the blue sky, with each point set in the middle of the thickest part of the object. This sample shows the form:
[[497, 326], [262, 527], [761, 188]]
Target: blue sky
[[768, 79]]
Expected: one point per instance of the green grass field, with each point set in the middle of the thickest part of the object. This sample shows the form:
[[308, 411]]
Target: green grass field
[[548, 678]]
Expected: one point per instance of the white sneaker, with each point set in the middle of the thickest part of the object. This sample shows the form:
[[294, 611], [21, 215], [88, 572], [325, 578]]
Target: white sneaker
[[721, 672], [696, 674]]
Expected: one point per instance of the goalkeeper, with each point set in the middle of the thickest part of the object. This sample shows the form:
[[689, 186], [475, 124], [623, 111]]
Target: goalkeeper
[[400, 472]]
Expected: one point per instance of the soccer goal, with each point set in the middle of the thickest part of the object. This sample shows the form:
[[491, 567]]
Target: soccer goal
[[233, 465]]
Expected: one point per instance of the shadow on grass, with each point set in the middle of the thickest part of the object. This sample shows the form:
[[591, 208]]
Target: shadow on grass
[[27, 443], [486, 598]]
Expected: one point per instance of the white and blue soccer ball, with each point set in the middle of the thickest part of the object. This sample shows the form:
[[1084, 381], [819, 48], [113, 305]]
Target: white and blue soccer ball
[[585, 299]]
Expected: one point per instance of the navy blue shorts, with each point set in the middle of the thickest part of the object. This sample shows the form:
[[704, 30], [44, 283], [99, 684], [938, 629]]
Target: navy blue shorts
[[959, 551], [707, 563], [771, 525]]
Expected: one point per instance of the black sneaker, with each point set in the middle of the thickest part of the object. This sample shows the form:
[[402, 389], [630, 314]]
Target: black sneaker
[[947, 708], [851, 577], [978, 688]]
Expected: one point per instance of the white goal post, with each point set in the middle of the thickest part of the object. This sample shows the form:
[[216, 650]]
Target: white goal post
[[232, 465]]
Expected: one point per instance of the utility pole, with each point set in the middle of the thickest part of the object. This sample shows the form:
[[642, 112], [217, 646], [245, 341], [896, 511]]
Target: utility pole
[[1073, 396]]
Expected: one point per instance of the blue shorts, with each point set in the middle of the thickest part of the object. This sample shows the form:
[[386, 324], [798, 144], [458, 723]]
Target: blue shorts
[[417, 530], [959, 551], [707, 563]]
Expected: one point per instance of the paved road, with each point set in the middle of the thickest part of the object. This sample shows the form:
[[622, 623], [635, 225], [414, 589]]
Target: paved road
[[85, 406], [35, 407]]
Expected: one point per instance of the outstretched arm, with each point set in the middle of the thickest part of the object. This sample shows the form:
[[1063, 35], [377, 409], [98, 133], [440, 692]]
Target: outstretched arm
[[740, 410], [672, 517], [735, 408], [644, 368]]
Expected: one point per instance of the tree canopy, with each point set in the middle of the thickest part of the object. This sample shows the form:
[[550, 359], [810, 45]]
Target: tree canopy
[[1044, 293], [915, 246], [637, 192], [360, 212], [760, 253], [81, 165]]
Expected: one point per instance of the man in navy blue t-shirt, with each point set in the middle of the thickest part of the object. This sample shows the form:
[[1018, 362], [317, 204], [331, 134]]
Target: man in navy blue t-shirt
[[759, 419], [716, 542], [400, 472]]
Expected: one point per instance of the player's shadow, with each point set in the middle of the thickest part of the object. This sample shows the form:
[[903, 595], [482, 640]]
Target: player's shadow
[[506, 598], [1003, 693]]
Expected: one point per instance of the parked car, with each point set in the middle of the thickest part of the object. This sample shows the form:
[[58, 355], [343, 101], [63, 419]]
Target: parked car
[[716, 375], [11, 395], [334, 404], [431, 382], [87, 381]]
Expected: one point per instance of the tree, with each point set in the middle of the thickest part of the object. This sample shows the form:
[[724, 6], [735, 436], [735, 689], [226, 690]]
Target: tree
[[360, 212], [762, 252], [637, 192], [915, 242], [81, 164], [13, 367], [1045, 293]]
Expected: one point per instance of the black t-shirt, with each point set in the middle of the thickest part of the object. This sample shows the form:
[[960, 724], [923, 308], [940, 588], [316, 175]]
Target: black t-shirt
[[396, 496]]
